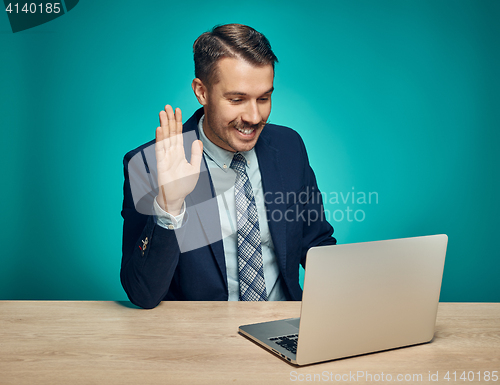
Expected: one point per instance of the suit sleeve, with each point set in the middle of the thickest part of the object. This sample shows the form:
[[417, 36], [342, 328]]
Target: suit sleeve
[[150, 253], [316, 229]]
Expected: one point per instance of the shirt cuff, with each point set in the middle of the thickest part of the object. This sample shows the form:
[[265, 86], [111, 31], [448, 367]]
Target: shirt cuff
[[166, 220]]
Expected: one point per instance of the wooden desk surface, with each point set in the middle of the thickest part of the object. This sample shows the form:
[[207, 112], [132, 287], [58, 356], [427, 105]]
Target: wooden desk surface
[[197, 343]]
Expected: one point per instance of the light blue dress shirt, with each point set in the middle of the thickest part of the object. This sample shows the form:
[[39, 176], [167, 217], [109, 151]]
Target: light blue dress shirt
[[223, 178]]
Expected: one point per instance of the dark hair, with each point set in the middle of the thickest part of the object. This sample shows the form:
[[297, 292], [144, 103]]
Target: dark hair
[[230, 40]]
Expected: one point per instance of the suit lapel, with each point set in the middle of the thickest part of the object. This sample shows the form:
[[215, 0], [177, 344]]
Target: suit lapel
[[204, 202], [273, 186]]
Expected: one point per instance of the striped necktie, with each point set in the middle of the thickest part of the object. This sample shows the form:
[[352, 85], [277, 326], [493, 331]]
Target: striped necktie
[[250, 266]]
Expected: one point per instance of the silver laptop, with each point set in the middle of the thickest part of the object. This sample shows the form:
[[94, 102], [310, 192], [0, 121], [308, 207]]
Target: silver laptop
[[360, 298]]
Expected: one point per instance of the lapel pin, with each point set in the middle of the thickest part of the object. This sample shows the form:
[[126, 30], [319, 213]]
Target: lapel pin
[[144, 245]]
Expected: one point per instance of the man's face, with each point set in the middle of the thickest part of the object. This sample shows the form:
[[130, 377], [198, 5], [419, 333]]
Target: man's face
[[238, 105]]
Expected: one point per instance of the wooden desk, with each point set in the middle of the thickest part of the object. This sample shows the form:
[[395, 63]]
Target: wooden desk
[[197, 343]]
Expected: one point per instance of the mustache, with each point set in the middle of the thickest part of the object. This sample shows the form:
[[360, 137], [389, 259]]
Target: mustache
[[240, 125]]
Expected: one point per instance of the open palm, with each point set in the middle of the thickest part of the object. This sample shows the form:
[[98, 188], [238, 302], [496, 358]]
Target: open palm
[[176, 176]]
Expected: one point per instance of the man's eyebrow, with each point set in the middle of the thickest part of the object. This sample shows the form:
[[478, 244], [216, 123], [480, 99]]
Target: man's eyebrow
[[237, 93], [234, 93]]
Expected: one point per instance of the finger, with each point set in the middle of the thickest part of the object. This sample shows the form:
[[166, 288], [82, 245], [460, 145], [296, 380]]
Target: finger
[[159, 135], [159, 145], [196, 154], [171, 124], [164, 129], [163, 118], [165, 126], [178, 126]]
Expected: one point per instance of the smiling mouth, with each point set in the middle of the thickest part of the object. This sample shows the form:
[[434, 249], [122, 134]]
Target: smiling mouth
[[245, 131]]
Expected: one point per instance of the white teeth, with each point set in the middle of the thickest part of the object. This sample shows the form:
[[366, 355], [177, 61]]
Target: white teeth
[[246, 132]]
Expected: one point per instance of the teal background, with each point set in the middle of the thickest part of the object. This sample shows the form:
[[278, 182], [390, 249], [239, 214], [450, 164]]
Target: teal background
[[399, 97]]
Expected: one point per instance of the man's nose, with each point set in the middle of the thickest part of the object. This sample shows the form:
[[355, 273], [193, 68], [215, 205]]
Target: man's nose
[[252, 114]]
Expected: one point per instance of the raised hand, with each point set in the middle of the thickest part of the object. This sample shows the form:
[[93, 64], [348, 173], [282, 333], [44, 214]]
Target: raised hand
[[176, 176]]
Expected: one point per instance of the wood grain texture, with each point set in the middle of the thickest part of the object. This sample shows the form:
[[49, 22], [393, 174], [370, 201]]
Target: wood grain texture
[[197, 343]]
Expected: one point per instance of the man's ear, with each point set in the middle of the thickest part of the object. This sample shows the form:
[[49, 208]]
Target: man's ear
[[200, 90]]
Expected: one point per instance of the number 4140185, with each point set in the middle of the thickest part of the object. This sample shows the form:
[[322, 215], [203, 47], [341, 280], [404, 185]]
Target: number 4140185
[[471, 376], [34, 8]]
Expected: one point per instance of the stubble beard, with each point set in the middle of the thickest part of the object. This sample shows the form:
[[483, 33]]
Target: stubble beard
[[234, 124]]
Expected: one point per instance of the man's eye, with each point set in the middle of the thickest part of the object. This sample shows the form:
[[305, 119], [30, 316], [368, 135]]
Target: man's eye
[[236, 100], [264, 99]]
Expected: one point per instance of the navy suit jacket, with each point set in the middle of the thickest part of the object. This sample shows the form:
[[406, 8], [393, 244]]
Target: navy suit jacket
[[163, 271]]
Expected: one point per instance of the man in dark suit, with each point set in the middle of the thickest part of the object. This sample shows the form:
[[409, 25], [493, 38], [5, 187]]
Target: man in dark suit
[[234, 222]]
